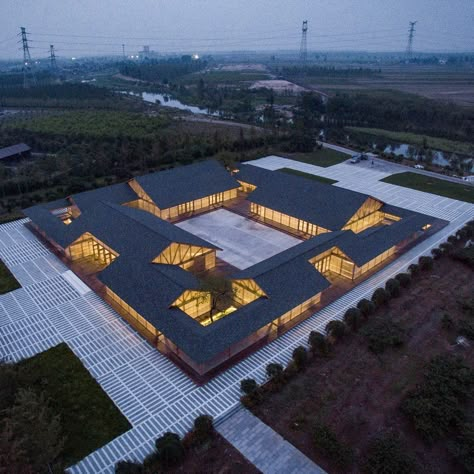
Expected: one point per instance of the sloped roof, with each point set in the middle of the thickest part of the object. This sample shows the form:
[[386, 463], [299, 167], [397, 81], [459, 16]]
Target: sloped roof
[[322, 204], [13, 150], [187, 183], [114, 194]]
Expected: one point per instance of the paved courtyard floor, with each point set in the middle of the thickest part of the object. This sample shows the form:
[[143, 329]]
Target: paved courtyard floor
[[53, 305], [244, 242]]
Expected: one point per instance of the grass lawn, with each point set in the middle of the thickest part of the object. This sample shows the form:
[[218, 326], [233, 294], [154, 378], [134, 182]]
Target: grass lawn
[[308, 175], [7, 281], [461, 192], [88, 416], [324, 157], [435, 143]]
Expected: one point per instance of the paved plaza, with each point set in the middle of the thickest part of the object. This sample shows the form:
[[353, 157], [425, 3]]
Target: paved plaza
[[53, 305], [243, 242]]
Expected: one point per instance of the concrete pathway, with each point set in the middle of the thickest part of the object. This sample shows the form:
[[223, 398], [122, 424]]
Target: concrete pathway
[[263, 447]]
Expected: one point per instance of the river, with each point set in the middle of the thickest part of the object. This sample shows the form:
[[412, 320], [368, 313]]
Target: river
[[168, 101]]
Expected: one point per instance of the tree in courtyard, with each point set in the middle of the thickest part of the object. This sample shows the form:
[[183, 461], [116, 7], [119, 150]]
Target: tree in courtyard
[[249, 386], [170, 449], [218, 291]]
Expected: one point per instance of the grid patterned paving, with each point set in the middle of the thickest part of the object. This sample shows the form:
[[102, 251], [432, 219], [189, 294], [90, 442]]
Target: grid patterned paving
[[150, 390]]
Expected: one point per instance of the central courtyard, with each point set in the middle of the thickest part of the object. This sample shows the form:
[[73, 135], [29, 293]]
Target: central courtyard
[[243, 241]]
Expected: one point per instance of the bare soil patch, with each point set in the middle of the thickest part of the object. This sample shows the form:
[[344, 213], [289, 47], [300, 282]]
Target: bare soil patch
[[358, 393]]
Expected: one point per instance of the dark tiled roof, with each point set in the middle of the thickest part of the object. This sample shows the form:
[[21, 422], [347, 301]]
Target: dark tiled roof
[[187, 183], [287, 278], [115, 194], [13, 150], [322, 204]]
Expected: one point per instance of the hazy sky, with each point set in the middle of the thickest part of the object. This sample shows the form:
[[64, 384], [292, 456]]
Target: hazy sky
[[101, 26]]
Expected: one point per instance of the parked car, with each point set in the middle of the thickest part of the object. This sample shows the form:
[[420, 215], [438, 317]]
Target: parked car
[[355, 159], [469, 179], [419, 167]]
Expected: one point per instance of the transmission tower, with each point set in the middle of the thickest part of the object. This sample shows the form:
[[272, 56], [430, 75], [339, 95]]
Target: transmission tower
[[52, 58], [123, 51], [411, 34], [304, 46], [28, 74]]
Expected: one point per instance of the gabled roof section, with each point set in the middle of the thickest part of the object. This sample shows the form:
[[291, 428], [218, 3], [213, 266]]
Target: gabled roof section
[[114, 194], [322, 204], [187, 183], [13, 150]]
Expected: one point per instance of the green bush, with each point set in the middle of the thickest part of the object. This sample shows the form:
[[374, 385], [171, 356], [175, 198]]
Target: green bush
[[326, 441], [336, 329], [319, 343], [300, 357], [248, 386], [452, 239], [435, 406], [203, 427], [436, 253], [353, 318], [382, 334], [386, 454], [380, 297], [393, 287], [170, 449], [466, 328], [446, 247], [462, 448], [128, 467], [366, 307], [404, 279], [274, 371], [426, 263], [414, 269], [464, 255], [447, 322]]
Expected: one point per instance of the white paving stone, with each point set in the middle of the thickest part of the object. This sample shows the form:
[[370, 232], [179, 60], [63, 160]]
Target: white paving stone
[[151, 391]]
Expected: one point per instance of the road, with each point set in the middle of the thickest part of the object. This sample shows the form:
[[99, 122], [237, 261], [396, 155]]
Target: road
[[391, 167]]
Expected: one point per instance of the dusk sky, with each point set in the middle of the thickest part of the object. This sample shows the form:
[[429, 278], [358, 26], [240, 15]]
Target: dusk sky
[[101, 26]]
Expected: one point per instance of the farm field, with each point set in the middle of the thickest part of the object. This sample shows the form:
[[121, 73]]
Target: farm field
[[357, 392]]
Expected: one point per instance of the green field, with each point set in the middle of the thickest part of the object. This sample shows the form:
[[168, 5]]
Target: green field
[[97, 124], [308, 175], [431, 185], [323, 157], [7, 281], [435, 143], [89, 419]]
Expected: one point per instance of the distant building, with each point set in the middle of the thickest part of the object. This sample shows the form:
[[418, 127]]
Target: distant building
[[14, 153], [147, 53]]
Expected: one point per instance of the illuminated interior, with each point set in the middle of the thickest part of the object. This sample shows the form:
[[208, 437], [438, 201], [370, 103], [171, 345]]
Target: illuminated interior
[[368, 215], [90, 249], [189, 257]]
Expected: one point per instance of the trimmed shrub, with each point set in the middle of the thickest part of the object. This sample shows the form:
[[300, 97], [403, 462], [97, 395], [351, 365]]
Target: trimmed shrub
[[353, 318], [366, 307], [128, 467], [382, 334], [464, 255], [387, 454], [274, 371], [203, 427], [393, 287], [325, 441], [170, 449], [336, 329], [426, 263], [319, 343], [414, 269], [248, 386], [452, 239], [380, 297], [404, 279], [300, 357], [446, 247], [436, 253]]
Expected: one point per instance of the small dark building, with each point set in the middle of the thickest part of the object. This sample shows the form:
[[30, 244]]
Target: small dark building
[[13, 154]]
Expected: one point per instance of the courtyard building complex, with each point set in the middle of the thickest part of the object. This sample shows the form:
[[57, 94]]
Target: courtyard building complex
[[281, 246]]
